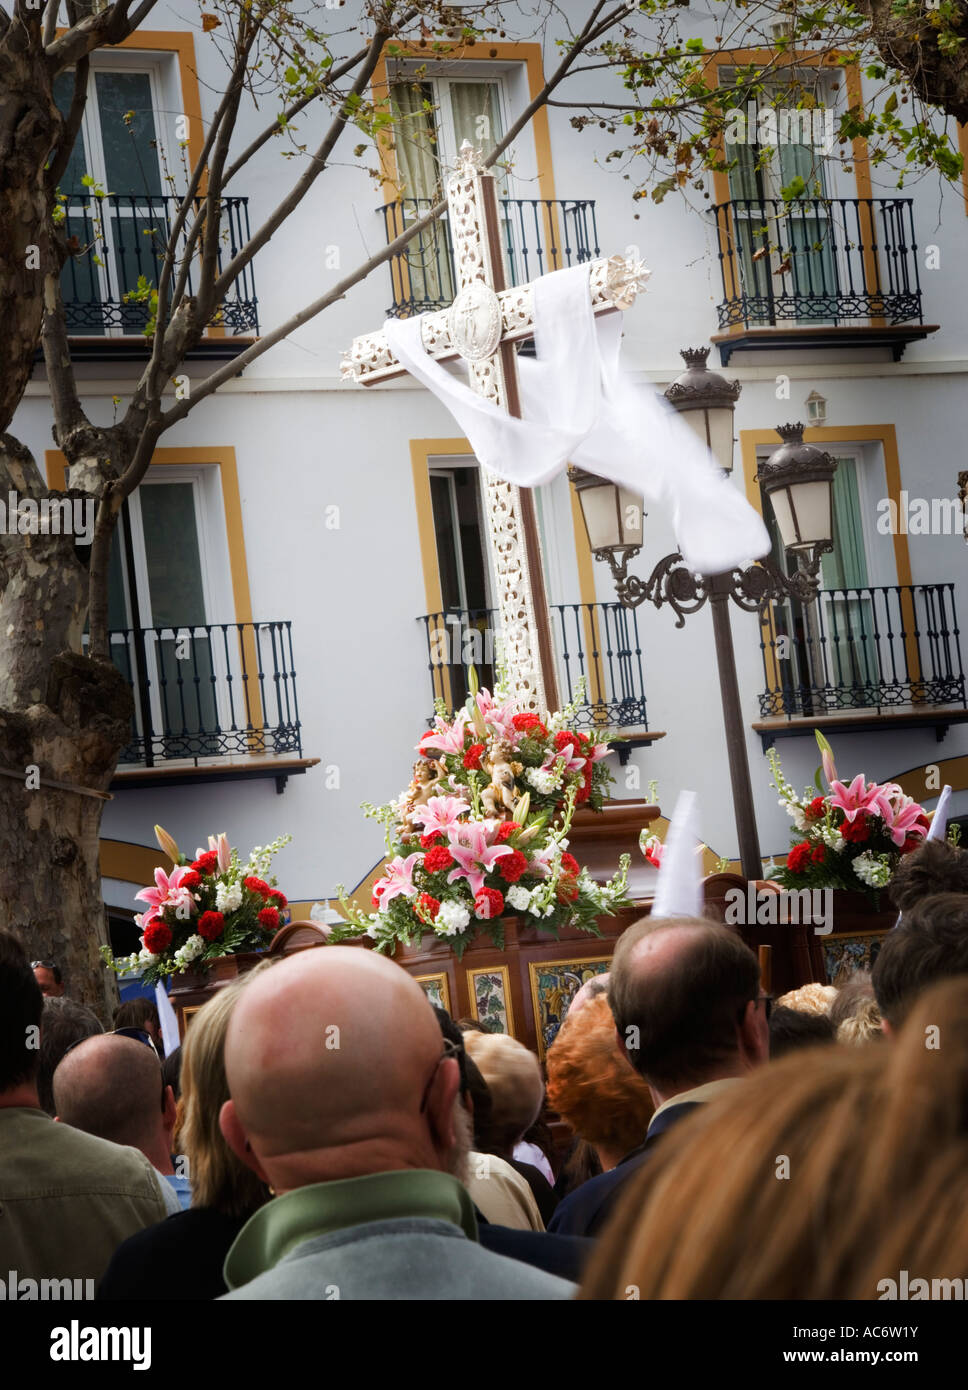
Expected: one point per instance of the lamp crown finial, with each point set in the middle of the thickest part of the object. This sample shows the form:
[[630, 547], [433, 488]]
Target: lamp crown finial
[[791, 434], [694, 357]]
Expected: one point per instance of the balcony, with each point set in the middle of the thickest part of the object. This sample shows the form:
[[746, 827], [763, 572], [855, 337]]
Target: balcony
[[126, 235], [818, 272], [538, 235], [595, 641], [862, 658], [212, 702]]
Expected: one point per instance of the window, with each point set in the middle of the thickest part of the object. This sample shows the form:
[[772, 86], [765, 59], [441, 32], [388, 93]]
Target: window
[[784, 249], [166, 582], [464, 581], [118, 146], [432, 120], [833, 642]]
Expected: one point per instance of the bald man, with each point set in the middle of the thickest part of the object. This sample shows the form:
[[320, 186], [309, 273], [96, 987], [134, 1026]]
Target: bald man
[[112, 1087], [345, 1102], [692, 1020]]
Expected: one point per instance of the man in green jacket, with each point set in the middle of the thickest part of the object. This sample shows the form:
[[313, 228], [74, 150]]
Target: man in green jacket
[[67, 1199], [345, 1102]]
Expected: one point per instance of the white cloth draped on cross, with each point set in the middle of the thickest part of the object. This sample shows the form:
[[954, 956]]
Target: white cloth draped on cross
[[579, 407]]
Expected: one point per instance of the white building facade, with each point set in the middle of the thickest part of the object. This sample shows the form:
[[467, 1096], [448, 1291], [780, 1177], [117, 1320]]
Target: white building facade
[[295, 531]]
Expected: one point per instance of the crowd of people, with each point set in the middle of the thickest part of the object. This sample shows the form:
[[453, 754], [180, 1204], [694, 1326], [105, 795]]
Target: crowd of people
[[324, 1132]]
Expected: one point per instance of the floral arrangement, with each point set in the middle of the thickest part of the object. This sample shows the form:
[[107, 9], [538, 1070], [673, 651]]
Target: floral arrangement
[[854, 836], [211, 906], [482, 829]]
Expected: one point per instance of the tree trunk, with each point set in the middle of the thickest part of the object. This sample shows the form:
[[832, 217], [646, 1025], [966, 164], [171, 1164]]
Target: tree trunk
[[29, 127], [63, 720]]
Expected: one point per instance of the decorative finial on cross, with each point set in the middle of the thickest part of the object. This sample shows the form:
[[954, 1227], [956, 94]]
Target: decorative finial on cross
[[626, 279], [469, 160]]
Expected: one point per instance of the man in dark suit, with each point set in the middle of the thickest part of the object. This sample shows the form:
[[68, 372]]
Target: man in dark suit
[[688, 1011]]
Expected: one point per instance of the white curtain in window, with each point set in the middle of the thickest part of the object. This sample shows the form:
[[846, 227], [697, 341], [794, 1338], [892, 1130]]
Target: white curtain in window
[[424, 268]]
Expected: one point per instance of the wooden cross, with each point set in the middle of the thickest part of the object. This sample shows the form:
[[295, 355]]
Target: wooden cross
[[482, 326]]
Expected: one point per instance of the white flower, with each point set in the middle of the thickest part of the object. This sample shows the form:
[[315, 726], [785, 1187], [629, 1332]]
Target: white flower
[[874, 870], [832, 837], [519, 897], [542, 781], [451, 919], [228, 896], [549, 909]]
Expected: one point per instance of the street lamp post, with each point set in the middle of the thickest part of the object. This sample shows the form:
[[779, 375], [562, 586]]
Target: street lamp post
[[798, 478]]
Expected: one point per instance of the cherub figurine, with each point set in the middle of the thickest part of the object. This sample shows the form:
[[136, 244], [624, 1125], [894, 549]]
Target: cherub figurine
[[425, 783], [499, 797]]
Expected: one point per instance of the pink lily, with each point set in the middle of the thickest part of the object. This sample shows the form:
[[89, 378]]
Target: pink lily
[[168, 892], [446, 738], [475, 857], [859, 796], [597, 752], [573, 755], [397, 879], [223, 850], [902, 816], [826, 758], [500, 717], [440, 814], [541, 861]]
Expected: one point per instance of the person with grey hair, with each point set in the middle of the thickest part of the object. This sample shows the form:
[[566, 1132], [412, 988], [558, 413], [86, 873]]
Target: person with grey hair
[[113, 1087], [63, 1023]]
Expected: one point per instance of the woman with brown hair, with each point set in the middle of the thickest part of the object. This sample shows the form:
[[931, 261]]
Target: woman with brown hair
[[182, 1257], [804, 1181]]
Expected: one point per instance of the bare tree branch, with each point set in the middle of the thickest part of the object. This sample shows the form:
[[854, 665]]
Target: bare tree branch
[[72, 124], [303, 184]]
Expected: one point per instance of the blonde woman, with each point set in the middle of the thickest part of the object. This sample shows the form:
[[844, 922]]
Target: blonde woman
[[182, 1257]]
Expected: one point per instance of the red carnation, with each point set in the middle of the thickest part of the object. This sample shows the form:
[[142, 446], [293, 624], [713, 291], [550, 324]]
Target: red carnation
[[277, 899], [191, 880], [798, 858], [426, 906], [505, 830], [472, 758], [570, 865], [438, 859], [374, 900], [428, 841], [512, 866], [912, 842], [564, 738], [257, 885], [211, 925], [529, 724], [856, 831], [817, 808], [269, 918], [819, 854], [584, 792], [206, 863], [488, 903], [157, 937]]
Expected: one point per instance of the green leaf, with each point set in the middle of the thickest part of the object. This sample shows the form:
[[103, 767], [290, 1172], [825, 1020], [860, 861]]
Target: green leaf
[[891, 104], [793, 190]]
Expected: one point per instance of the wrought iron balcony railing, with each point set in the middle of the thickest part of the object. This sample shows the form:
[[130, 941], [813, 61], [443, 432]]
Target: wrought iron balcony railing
[[597, 641], [891, 647], [815, 261], [120, 238], [537, 235], [209, 691]]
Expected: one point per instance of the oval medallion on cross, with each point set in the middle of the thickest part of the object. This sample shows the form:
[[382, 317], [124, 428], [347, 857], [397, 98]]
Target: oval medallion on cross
[[474, 321]]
